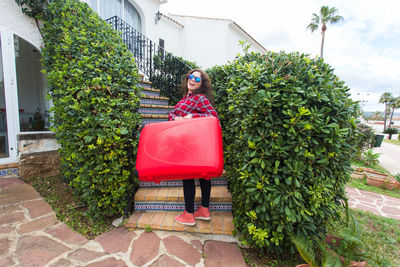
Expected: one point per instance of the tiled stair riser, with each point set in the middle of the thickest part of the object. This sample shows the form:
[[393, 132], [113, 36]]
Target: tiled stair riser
[[160, 111], [150, 93], [145, 85], [147, 121], [154, 101], [178, 183], [8, 172]]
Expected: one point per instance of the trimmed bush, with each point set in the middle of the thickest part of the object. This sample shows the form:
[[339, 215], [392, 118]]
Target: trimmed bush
[[92, 79], [288, 128], [366, 138]]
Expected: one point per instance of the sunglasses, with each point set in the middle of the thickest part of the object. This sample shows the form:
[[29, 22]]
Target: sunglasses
[[196, 79]]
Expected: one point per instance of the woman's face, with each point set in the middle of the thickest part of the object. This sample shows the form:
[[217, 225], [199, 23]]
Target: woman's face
[[192, 84]]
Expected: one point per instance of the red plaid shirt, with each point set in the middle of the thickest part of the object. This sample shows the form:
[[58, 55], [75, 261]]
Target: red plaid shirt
[[197, 105]]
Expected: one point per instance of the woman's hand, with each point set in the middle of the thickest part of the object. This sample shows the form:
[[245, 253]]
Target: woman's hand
[[186, 117]]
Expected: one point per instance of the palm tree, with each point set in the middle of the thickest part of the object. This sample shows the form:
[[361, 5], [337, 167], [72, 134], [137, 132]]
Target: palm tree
[[394, 104], [377, 115], [386, 98], [326, 15]]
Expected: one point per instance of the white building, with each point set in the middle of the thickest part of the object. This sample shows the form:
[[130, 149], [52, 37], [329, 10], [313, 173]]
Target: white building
[[24, 109], [206, 41]]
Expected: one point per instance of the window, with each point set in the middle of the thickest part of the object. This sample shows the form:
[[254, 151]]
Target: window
[[121, 8], [161, 45], [131, 16]]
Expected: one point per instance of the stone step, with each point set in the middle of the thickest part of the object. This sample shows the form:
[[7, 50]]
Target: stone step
[[220, 223], [177, 206], [154, 100], [146, 84], [178, 183]]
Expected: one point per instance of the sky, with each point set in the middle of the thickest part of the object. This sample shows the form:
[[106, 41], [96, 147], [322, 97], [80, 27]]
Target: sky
[[364, 49]]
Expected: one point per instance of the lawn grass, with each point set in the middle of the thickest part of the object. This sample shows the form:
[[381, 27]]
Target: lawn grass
[[392, 141], [376, 167], [380, 241], [380, 237], [68, 208]]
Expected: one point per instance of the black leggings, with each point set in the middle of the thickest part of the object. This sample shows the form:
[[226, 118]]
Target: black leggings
[[189, 192]]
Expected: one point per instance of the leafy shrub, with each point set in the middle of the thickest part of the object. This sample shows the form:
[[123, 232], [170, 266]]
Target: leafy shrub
[[370, 158], [397, 177], [288, 126], [366, 138], [391, 131], [92, 79]]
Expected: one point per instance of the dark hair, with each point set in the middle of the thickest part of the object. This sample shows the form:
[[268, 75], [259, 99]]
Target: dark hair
[[205, 89]]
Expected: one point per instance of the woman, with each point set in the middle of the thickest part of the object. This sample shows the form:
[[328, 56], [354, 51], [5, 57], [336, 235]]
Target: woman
[[196, 102]]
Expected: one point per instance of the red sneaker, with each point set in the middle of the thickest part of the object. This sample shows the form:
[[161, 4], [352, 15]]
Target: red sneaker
[[185, 218], [202, 213]]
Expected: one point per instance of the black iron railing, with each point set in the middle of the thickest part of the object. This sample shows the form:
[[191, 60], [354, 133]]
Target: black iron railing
[[163, 69]]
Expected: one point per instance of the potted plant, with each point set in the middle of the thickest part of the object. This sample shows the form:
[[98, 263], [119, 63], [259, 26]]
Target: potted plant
[[370, 158], [382, 181], [341, 250], [397, 180], [308, 251]]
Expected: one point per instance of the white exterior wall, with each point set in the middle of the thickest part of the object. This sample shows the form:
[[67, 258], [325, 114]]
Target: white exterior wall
[[172, 34], [234, 36], [210, 42], [204, 40], [13, 20]]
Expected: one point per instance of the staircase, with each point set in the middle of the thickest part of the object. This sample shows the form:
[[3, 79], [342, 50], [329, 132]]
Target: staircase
[[156, 204]]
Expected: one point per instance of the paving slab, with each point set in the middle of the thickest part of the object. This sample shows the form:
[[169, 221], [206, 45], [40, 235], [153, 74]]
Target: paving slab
[[219, 253], [145, 248], [37, 250], [178, 247]]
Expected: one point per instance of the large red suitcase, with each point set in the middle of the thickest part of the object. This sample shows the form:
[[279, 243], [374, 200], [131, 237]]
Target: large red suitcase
[[183, 149]]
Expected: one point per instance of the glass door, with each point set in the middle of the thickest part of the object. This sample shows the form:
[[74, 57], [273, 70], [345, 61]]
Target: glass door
[[8, 103], [3, 113]]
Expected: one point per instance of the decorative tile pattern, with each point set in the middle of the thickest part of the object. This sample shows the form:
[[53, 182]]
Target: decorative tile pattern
[[8, 172], [178, 206], [154, 101], [147, 121], [144, 85], [160, 111], [151, 93], [178, 183]]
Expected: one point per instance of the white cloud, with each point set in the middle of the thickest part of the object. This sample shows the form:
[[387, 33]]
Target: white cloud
[[363, 48]]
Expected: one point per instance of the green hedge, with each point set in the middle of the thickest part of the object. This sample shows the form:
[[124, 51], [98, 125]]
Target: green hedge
[[288, 129], [92, 79]]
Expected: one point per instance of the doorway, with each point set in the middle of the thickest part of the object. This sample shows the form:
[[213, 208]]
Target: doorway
[[24, 108]]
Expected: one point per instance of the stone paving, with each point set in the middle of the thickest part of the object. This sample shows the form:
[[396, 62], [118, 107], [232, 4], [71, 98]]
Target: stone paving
[[31, 235], [373, 202]]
